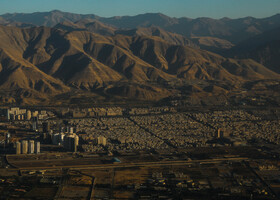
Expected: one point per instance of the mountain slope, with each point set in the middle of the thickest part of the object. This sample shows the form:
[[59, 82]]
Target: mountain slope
[[87, 25], [264, 48], [138, 58], [47, 61], [169, 37], [45, 18], [212, 44], [233, 30], [268, 55], [21, 75], [95, 26]]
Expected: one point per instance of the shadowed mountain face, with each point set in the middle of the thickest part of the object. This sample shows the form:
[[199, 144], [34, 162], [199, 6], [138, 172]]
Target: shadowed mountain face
[[268, 55], [264, 48], [45, 18], [233, 30], [87, 25], [145, 57], [45, 62], [106, 30]]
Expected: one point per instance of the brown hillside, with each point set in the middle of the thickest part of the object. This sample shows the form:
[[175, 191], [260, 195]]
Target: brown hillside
[[51, 61]]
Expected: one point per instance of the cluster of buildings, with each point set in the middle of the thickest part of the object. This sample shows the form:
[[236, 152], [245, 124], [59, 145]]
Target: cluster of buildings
[[243, 125], [101, 141], [27, 147], [145, 132], [91, 144], [176, 130], [70, 141], [18, 114], [151, 129], [112, 111]]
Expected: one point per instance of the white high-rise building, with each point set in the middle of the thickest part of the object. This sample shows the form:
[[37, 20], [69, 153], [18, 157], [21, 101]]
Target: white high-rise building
[[71, 130], [24, 147], [18, 147], [31, 147], [101, 140], [37, 147], [61, 138], [28, 115], [34, 126], [8, 114]]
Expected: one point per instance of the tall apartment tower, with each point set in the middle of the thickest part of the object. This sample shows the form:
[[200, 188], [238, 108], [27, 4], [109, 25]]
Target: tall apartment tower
[[34, 125], [56, 139], [76, 143], [67, 129], [71, 142], [37, 147], [18, 147], [28, 115], [8, 114], [24, 147], [221, 133], [66, 142], [8, 137], [31, 146], [101, 140], [71, 130], [46, 127]]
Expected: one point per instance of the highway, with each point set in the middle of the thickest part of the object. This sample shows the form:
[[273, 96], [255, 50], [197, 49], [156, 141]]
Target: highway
[[135, 164]]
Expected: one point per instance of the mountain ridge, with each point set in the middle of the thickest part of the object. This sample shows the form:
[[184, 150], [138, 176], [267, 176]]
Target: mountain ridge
[[233, 30], [263, 48], [71, 56], [46, 62]]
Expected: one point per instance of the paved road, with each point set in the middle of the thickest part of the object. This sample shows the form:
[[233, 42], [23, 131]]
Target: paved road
[[137, 164], [63, 182]]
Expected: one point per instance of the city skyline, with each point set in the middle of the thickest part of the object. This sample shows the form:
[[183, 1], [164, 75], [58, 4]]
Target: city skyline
[[173, 8]]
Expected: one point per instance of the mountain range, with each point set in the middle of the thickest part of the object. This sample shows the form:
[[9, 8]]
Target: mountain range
[[57, 57], [233, 30]]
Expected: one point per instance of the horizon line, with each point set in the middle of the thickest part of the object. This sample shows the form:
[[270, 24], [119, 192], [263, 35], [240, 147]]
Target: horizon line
[[11, 13]]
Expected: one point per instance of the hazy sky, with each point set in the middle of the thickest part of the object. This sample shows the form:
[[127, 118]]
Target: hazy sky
[[173, 8]]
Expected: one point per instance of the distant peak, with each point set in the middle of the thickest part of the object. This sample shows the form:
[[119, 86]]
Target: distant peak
[[56, 11], [157, 14], [225, 19]]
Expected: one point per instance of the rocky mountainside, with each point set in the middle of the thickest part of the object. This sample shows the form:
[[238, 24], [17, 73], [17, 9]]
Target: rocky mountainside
[[106, 30], [42, 63], [90, 25], [45, 18], [212, 44], [264, 48], [233, 30]]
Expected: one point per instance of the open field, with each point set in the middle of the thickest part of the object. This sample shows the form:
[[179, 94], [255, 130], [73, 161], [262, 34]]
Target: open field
[[151, 176]]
